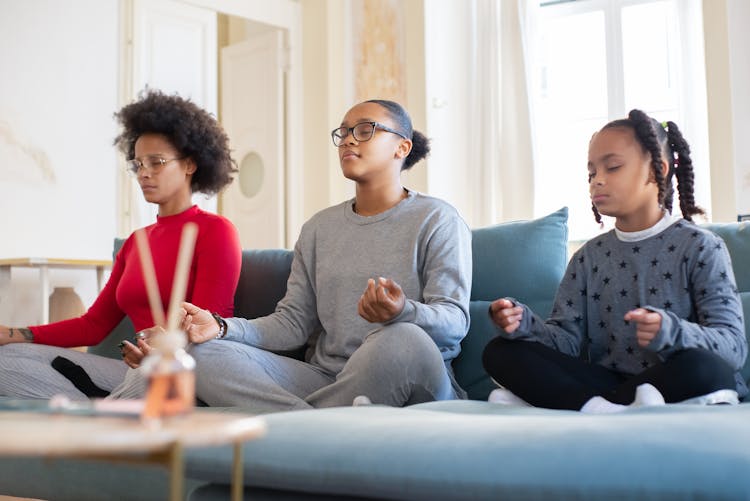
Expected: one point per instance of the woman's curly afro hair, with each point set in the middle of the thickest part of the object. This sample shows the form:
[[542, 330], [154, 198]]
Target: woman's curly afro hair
[[192, 131]]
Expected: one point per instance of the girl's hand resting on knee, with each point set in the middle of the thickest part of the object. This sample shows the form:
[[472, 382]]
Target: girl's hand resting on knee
[[199, 324], [506, 315], [647, 324], [382, 301]]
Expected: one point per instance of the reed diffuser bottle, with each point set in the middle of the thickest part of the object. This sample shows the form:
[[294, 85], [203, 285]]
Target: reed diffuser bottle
[[171, 377]]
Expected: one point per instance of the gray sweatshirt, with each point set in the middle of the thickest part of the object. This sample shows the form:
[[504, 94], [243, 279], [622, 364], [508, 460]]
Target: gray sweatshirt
[[421, 243], [683, 272]]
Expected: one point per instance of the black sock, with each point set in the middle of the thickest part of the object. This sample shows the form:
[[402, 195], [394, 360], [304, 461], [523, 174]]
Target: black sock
[[78, 377]]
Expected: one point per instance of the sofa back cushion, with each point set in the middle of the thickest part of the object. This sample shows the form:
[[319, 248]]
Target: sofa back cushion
[[262, 283], [522, 259], [109, 346]]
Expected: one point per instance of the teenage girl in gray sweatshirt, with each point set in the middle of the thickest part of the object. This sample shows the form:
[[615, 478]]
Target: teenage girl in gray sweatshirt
[[646, 313], [383, 280]]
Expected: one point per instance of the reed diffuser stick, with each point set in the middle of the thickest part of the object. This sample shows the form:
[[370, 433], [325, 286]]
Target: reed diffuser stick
[[179, 286], [149, 278]]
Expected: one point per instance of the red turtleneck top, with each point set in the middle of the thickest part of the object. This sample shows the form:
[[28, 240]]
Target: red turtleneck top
[[214, 273]]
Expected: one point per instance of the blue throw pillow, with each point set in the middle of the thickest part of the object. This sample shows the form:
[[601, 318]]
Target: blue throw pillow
[[522, 259]]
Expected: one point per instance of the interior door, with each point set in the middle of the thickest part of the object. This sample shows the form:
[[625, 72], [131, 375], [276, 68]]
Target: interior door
[[252, 113]]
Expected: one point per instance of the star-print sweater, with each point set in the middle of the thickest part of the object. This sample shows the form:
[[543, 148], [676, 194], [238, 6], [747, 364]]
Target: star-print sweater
[[683, 273]]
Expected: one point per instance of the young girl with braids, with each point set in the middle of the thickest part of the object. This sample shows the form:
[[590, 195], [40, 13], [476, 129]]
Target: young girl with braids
[[647, 313]]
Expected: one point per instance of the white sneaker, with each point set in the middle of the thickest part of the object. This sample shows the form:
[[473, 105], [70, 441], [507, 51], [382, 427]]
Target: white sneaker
[[600, 405], [360, 400], [506, 397], [647, 395], [717, 397]]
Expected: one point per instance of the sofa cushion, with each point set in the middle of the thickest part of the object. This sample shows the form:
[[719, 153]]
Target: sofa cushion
[[521, 259], [477, 450]]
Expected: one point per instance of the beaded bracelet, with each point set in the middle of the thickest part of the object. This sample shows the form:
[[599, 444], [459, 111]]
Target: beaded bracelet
[[222, 325]]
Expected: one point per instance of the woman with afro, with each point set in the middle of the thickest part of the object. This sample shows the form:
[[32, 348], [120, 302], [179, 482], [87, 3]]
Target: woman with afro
[[174, 149]]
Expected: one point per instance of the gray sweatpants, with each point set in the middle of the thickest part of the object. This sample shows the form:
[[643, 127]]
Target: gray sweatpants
[[396, 365], [26, 371]]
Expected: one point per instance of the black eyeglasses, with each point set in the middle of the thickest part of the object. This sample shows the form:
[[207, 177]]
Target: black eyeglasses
[[151, 164], [362, 131]]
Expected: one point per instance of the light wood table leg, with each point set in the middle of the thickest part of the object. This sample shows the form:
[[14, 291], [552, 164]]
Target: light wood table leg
[[99, 278], [237, 483], [44, 286], [176, 472], [5, 306]]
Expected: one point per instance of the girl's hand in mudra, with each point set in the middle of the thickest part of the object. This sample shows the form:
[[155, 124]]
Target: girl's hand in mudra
[[506, 315], [647, 324], [382, 301], [199, 324]]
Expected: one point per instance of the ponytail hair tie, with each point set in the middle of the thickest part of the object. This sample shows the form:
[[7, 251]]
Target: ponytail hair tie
[[664, 125]]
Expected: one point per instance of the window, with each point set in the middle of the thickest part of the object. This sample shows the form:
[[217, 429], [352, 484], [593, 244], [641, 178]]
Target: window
[[594, 61]]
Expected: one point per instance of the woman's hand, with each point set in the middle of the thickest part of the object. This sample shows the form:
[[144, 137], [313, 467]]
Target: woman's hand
[[647, 324], [506, 315], [134, 353], [199, 325], [15, 335], [382, 301]]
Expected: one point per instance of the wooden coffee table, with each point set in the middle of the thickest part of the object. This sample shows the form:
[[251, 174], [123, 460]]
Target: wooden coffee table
[[127, 439]]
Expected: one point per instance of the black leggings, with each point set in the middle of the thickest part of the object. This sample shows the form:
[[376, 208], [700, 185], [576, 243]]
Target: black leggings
[[547, 378]]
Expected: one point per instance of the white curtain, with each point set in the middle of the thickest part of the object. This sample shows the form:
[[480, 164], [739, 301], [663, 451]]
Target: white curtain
[[500, 134], [693, 104]]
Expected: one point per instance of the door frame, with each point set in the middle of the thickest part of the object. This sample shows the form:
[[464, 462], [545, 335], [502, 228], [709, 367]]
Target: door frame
[[282, 14]]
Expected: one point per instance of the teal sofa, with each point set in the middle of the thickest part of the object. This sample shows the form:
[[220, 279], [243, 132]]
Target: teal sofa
[[456, 449]]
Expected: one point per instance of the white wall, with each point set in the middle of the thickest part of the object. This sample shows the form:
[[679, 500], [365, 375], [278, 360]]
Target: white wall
[[328, 92], [738, 15], [727, 82], [59, 62]]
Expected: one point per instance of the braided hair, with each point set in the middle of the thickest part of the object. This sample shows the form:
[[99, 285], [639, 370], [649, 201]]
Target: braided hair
[[420, 144], [663, 141]]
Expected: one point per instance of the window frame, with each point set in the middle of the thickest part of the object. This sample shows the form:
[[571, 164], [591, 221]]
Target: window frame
[[692, 122]]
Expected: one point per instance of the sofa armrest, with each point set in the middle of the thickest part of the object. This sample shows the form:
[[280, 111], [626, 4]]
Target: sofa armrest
[[736, 236]]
